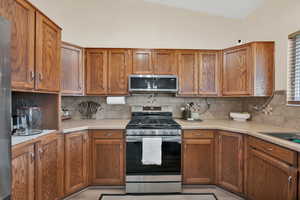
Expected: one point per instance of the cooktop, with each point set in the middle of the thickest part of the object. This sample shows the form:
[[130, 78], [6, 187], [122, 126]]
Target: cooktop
[[292, 137]]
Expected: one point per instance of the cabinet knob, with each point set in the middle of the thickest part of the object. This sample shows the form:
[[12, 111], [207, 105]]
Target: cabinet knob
[[108, 134], [41, 151], [290, 179], [40, 77], [32, 76]]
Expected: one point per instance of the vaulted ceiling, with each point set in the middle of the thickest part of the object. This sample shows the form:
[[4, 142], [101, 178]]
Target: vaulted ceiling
[[227, 8]]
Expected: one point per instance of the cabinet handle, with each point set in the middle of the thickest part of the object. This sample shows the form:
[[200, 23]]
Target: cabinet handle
[[108, 134], [270, 149], [40, 77], [290, 179], [32, 75], [32, 157], [84, 139], [41, 152], [199, 134]]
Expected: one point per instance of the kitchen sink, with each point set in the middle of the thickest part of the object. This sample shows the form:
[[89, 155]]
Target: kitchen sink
[[292, 137]]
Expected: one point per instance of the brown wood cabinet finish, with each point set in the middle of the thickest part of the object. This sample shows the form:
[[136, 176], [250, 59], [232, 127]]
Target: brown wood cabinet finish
[[96, 71], [229, 162], [209, 69], [198, 161], [48, 54], [76, 161], [142, 61], [164, 62], [269, 178], [72, 69], [23, 169], [187, 72], [108, 161], [22, 46], [50, 157], [119, 67]]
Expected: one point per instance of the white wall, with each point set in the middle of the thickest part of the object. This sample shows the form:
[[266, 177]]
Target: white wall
[[135, 23], [275, 21]]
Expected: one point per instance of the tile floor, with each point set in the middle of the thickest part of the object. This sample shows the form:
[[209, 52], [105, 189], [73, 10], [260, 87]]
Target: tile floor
[[94, 193]]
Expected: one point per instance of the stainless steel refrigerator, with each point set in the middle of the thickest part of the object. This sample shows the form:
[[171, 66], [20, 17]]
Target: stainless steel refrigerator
[[5, 111]]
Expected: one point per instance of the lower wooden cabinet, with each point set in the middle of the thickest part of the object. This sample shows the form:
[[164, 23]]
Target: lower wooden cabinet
[[23, 169], [198, 157], [76, 161], [108, 158], [230, 161]]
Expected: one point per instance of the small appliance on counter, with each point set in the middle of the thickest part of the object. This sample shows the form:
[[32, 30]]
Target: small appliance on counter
[[240, 117], [88, 109], [27, 121]]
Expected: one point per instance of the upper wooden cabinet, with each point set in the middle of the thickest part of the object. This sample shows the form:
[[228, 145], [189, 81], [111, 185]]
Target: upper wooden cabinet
[[248, 70], [164, 62], [72, 70], [23, 45], [187, 72], [48, 53], [142, 61], [209, 73], [96, 71], [229, 162], [119, 67]]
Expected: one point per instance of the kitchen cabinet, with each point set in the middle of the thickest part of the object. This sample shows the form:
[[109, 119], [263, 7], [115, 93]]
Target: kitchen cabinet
[[50, 157], [119, 67], [76, 161], [48, 54], [269, 177], [23, 169], [142, 61], [164, 62], [72, 70], [96, 71], [248, 70], [187, 72], [108, 158], [230, 161], [198, 157], [209, 70]]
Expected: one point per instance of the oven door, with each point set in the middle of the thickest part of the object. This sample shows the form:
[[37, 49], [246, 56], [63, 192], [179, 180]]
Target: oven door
[[171, 157]]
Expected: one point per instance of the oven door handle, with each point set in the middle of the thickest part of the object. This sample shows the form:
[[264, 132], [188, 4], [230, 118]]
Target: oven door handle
[[164, 139]]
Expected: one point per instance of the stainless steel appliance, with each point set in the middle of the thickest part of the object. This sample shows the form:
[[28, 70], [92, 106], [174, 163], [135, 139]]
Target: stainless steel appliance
[[164, 178], [5, 110], [153, 83]]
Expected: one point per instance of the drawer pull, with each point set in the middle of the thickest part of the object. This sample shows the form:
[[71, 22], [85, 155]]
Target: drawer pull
[[199, 134], [270, 149], [108, 134]]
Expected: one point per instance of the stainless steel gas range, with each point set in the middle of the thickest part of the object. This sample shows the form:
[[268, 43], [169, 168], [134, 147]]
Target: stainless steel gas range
[[164, 177]]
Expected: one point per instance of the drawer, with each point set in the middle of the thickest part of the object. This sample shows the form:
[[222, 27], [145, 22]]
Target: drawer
[[274, 150], [108, 134], [195, 134]]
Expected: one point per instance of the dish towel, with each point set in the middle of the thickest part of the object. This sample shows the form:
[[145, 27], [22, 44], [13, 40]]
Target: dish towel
[[152, 151]]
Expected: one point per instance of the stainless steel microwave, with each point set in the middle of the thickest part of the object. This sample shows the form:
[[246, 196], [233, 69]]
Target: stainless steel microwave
[[153, 83]]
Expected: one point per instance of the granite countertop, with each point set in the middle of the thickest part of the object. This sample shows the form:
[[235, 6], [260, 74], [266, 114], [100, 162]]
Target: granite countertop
[[20, 139]]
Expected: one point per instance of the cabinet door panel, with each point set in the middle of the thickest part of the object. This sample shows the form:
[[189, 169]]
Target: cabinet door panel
[[22, 43], [23, 170], [198, 161], [48, 53], [142, 61], [164, 62], [237, 72], [96, 72], [230, 161], [118, 70], [50, 172], [76, 161], [187, 72], [208, 73], [269, 178], [108, 162], [72, 70]]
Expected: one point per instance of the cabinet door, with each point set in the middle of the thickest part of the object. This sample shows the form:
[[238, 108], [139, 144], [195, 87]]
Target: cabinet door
[[198, 161], [108, 162], [119, 67], [23, 170], [96, 72], [142, 61], [269, 178], [209, 73], [187, 73], [230, 161], [22, 43], [48, 53], [7, 9], [164, 62], [237, 72], [72, 70], [50, 168], [76, 161]]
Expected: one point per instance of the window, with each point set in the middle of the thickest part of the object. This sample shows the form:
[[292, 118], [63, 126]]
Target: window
[[293, 93]]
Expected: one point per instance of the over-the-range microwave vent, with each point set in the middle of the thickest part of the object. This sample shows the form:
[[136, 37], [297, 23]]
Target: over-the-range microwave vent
[[153, 83]]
